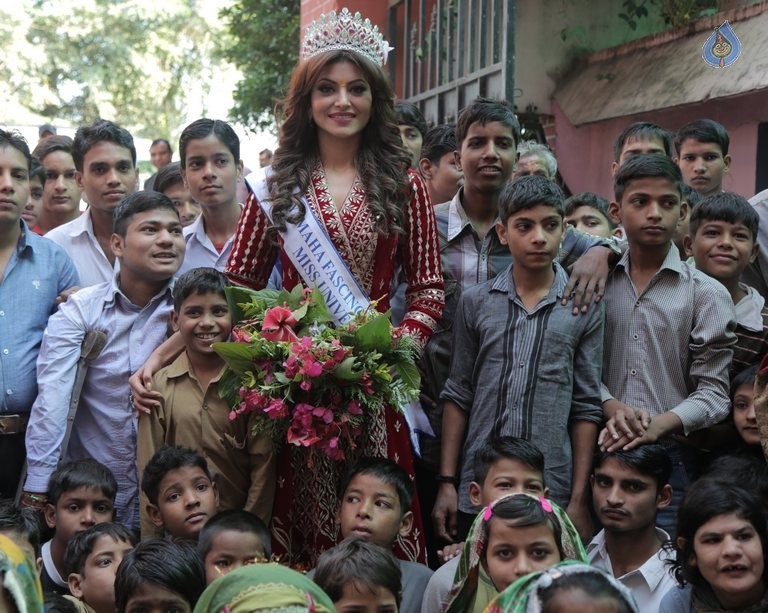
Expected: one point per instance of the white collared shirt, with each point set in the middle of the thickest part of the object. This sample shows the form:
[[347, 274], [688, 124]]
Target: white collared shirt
[[200, 249], [76, 237], [649, 583], [749, 310]]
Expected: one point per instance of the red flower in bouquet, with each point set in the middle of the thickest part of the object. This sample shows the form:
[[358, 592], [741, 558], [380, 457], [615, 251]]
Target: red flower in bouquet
[[278, 325], [306, 382]]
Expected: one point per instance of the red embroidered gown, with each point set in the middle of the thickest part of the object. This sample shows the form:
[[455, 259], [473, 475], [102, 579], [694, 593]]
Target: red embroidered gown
[[306, 500]]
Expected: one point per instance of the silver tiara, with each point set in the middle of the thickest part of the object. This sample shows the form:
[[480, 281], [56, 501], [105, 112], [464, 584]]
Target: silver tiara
[[345, 32]]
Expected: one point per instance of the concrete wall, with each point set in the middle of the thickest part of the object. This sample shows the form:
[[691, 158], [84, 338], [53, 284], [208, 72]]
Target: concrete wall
[[541, 53]]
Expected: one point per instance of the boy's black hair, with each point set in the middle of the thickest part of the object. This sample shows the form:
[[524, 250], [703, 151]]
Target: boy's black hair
[[56, 603], [649, 460], [644, 167], [389, 472], [139, 202], [644, 130], [100, 131], [36, 170], [15, 140], [81, 473], [166, 459], [81, 545], [360, 563], [201, 280], [590, 199], [167, 177], [505, 448], [595, 584], [438, 141], [703, 131], [728, 207], [527, 192], [749, 467], [407, 114], [748, 375], [158, 141], [237, 521], [691, 196], [57, 142], [203, 128], [173, 565], [486, 110], [23, 521]]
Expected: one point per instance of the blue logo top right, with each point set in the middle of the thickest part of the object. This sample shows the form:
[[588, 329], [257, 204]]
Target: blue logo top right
[[722, 47]]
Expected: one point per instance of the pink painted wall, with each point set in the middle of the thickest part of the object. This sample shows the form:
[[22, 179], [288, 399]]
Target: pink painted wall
[[584, 153]]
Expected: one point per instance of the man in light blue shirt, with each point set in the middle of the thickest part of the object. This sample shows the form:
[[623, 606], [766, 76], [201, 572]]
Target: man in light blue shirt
[[33, 272], [133, 309]]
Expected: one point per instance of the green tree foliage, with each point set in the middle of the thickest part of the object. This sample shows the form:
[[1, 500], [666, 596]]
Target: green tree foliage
[[263, 42], [132, 61]]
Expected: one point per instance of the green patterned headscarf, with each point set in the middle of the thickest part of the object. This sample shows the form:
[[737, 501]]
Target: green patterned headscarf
[[524, 595], [465, 582], [20, 580], [265, 588]]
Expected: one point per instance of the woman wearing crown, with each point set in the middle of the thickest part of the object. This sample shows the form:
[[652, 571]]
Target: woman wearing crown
[[340, 165]]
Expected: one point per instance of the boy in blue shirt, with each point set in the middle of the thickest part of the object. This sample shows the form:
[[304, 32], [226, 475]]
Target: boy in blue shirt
[[527, 367]]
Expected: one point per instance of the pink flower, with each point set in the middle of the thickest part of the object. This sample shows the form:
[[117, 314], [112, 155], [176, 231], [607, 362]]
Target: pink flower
[[366, 383], [353, 408], [312, 368], [278, 325], [306, 385], [240, 336], [276, 409], [252, 400]]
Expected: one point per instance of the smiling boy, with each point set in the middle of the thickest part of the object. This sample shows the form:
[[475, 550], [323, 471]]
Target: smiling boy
[[723, 242], [191, 412], [133, 309]]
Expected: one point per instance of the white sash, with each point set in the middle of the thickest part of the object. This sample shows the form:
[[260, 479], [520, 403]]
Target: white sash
[[315, 257], [319, 263]]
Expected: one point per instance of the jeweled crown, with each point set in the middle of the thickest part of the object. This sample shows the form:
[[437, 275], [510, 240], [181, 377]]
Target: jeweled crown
[[347, 32]]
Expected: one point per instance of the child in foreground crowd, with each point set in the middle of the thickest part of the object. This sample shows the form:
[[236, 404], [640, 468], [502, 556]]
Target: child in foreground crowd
[[376, 506], [512, 537], [503, 465], [360, 576], [92, 560], [232, 539], [180, 492], [159, 575], [81, 494]]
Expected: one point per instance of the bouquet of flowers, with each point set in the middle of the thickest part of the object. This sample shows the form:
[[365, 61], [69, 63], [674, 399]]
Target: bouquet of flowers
[[306, 382]]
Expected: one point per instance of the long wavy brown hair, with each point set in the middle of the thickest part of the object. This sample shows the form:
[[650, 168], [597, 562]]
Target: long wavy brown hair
[[382, 162]]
